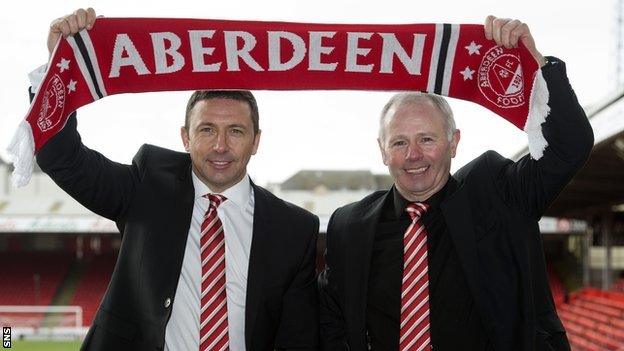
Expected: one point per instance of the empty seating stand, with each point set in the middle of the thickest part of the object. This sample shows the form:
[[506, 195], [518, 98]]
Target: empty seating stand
[[31, 278], [594, 320]]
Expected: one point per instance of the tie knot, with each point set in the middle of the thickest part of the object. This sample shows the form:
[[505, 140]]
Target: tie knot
[[416, 209], [215, 199]]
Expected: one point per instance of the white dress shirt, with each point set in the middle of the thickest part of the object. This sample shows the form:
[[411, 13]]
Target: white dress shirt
[[236, 214]]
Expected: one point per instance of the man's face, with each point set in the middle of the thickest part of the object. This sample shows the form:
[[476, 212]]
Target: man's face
[[220, 140], [416, 149]]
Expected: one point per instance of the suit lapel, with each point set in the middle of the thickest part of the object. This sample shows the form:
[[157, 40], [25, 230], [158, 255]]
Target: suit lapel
[[255, 273], [185, 198], [358, 256], [182, 212], [458, 218]]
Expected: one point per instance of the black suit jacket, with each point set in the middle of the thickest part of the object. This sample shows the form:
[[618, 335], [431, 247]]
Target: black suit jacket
[[492, 217], [152, 202]]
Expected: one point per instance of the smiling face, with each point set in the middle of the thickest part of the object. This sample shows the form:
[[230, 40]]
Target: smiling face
[[415, 146], [220, 139]]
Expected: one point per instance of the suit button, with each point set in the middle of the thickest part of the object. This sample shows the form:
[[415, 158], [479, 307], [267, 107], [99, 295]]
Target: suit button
[[167, 302]]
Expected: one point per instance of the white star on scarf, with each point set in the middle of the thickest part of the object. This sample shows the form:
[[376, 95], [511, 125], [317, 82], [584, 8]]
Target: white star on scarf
[[467, 73], [473, 48], [63, 65], [71, 86]]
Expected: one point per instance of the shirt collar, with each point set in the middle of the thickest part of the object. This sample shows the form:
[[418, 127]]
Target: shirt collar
[[239, 193], [434, 201]]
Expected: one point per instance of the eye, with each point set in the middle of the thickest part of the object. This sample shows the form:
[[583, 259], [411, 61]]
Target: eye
[[206, 129], [237, 132], [427, 140], [398, 143]]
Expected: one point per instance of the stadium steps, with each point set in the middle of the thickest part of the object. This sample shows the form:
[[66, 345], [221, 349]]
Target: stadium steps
[[567, 270], [93, 285], [65, 292]]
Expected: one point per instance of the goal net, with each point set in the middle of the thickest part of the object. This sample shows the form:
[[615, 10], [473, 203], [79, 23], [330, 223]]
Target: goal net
[[43, 322]]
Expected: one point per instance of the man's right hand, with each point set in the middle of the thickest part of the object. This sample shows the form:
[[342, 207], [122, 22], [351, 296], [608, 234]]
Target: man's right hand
[[70, 25]]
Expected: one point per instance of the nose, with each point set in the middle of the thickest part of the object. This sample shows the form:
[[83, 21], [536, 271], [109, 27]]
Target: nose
[[414, 152], [220, 144]]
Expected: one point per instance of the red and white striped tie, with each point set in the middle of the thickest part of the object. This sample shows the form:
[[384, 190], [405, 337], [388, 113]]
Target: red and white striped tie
[[414, 333], [213, 329]]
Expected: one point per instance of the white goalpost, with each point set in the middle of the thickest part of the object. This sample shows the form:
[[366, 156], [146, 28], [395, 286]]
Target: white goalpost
[[43, 322]]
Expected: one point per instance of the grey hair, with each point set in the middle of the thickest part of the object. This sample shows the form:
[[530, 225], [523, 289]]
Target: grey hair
[[419, 97]]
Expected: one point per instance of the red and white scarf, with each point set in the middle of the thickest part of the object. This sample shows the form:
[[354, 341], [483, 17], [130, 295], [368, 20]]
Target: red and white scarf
[[131, 55]]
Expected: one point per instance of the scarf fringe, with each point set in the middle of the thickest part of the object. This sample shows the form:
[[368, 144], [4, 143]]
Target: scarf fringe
[[22, 153], [538, 111]]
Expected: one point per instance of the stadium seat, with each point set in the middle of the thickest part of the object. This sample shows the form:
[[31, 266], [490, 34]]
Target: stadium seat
[[594, 320], [31, 278]]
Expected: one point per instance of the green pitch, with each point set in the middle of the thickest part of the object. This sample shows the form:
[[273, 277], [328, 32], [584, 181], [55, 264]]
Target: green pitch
[[45, 345]]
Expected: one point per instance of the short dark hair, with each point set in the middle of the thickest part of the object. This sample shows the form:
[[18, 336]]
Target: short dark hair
[[238, 95]]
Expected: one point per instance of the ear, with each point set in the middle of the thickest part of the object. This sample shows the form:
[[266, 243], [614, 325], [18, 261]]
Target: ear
[[455, 142], [185, 138], [383, 150], [256, 142]]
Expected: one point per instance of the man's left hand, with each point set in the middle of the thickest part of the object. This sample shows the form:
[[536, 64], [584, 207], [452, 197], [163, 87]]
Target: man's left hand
[[507, 32]]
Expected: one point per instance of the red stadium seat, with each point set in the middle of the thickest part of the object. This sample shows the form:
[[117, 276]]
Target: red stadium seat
[[20, 287], [599, 308], [594, 320], [580, 343], [602, 340], [19, 270]]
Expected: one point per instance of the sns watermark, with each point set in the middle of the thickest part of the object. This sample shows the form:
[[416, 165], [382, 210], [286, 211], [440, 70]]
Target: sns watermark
[[6, 337]]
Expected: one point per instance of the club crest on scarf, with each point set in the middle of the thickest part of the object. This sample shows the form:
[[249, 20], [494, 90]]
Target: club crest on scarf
[[53, 104], [500, 78]]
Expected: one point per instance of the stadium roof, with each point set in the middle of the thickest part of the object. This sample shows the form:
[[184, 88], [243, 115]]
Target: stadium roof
[[337, 180], [599, 186]]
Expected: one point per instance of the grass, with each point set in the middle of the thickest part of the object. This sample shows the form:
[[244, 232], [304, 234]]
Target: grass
[[45, 345]]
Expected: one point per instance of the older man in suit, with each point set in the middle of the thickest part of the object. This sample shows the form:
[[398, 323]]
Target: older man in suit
[[208, 260], [452, 262]]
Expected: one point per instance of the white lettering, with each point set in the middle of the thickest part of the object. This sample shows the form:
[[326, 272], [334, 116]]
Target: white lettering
[[353, 51], [198, 52], [316, 50], [124, 44], [161, 52], [275, 51], [392, 47], [233, 53], [239, 46]]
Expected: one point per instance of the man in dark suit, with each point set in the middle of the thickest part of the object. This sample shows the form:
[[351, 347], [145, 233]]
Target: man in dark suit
[[452, 262], [208, 260]]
